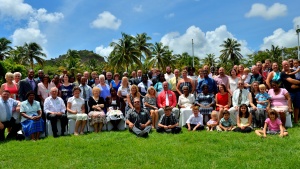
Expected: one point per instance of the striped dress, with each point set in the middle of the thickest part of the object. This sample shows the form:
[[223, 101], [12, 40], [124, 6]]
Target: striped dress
[[205, 100]]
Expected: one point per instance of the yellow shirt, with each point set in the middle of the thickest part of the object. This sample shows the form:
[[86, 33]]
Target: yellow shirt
[[173, 83]]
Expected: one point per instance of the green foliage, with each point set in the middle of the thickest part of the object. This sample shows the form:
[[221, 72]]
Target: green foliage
[[231, 51], [4, 48]]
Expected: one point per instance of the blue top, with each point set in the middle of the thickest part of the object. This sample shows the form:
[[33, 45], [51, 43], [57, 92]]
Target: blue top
[[212, 86], [66, 92], [105, 91], [262, 97], [116, 86], [6, 116]]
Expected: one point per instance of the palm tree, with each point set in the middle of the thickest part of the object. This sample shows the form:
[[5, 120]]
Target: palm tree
[[209, 60], [124, 53], [186, 60], [231, 50], [275, 54], [4, 48], [72, 54], [161, 56], [27, 54], [141, 44]]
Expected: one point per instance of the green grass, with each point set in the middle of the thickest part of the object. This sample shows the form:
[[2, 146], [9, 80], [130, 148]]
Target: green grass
[[125, 150]]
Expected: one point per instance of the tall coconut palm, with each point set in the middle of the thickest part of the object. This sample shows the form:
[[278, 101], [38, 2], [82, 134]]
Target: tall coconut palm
[[142, 45], [72, 54], [31, 52], [124, 53], [231, 50], [161, 56], [4, 48], [186, 60]]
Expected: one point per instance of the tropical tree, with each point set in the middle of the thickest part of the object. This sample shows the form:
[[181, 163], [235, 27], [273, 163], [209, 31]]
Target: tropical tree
[[72, 54], [32, 52], [4, 48], [231, 51], [185, 59], [161, 56], [142, 45], [209, 60], [124, 53], [275, 53]]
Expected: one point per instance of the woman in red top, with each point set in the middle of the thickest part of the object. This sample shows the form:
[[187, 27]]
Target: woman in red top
[[10, 86], [223, 100]]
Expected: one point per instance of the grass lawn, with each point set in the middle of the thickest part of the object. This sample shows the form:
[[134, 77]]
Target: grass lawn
[[186, 150]]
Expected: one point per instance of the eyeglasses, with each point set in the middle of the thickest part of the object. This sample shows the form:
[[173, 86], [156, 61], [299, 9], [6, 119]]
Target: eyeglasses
[[137, 102]]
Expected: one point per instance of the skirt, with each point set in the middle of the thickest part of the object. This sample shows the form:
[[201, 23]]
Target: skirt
[[78, 116], [114, 115], [206, 110], [100, 117], [32, 126]]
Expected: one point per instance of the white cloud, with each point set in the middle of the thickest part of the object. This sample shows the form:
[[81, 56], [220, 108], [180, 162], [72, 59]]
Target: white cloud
[[103, 51], [106, 20], [204, 43], [280, 38], [30, 34], [296, 21], [261, 10], [138, 8], [43, 16], [16, 9], [170, 15]]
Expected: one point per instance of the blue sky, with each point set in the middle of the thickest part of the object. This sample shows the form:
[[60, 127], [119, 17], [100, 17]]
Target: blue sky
[[59, 25]]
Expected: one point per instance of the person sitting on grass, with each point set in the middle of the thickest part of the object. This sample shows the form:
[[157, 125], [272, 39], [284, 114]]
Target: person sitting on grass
[[138, 119], [195, 121], [225, 123], [213, 122], [244, 120], [168, 122], [273, 125]]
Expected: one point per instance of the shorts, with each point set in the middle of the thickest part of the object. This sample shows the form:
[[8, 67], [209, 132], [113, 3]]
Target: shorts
[[295, 97]]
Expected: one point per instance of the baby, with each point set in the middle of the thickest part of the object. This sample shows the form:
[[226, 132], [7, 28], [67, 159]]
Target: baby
[[213, 122]]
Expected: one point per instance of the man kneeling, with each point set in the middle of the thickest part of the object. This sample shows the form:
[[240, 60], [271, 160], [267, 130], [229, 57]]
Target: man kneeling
[[139, 119], [168, 122]]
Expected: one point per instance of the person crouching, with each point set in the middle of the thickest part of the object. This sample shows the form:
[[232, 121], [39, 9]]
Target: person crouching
[[168, 122]]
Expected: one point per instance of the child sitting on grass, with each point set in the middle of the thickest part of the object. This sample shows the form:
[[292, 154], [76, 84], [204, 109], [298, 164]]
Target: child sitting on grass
[[273, 125], [213, 122], [244, 120], [225, 123], [195, 121]]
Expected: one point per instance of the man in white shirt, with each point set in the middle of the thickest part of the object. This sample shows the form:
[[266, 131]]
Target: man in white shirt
[[240, 96], [168, 75], [55, 108]]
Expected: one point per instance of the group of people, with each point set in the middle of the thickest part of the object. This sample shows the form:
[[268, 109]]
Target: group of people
[[239, 101]]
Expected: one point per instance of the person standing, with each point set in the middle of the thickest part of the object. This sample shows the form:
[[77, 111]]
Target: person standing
[[86, 92], [26, 85]]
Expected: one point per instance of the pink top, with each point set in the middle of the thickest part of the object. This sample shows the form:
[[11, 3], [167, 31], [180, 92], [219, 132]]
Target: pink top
[[279, 99], [273, 125], [12, 89], [43, 91]]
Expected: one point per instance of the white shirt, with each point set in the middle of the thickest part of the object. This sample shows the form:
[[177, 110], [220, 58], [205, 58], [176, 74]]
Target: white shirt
[[142, 86], [195, 120], [186, 101], [169, 76], [76, 103], [54, 105]]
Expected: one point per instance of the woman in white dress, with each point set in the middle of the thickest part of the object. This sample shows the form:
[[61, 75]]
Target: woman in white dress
[[76, 110], [185, 102], [233, 81]]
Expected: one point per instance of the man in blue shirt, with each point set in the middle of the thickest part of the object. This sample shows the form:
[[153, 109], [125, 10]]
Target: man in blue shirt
[[212, 85], [7, 105]]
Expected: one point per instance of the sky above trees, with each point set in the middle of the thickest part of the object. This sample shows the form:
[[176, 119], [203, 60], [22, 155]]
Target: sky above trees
[[59, 25]]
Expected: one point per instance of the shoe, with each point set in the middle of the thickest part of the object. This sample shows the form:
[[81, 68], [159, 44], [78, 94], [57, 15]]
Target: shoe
[[81, 133], [145, 135], [55, 135], [207, 129], [76, 134]]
